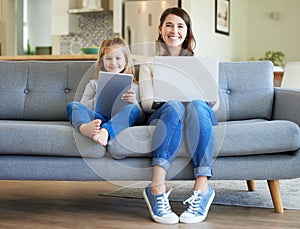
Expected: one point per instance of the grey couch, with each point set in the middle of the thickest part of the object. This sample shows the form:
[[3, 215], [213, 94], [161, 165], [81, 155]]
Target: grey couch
[[258, 137]]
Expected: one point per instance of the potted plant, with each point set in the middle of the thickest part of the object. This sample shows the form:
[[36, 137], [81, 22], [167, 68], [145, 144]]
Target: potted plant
[[276, 57]]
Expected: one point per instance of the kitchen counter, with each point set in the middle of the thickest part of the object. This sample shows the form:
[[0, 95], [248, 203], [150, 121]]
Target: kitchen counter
[[51, 57], [135, 58]]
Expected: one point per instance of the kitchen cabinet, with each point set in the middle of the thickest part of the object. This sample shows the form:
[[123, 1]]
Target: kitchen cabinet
[[65, 14], [51, 57], [92, 7], [63, 23]]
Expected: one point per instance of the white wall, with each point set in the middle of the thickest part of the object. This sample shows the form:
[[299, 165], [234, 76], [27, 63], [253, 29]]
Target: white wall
[[210, 43], [282, 34], [7, 25], [252, 30]]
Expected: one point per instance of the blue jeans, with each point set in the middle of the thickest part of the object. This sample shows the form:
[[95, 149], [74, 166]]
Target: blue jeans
[[168, 133], [200, 142], [128, 115]]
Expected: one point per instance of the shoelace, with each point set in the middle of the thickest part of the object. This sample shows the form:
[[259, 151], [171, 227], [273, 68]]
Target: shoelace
[[163, 203], [194, 202]]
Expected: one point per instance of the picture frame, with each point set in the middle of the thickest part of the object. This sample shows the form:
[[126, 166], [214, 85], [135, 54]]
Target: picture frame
[[222, 16]]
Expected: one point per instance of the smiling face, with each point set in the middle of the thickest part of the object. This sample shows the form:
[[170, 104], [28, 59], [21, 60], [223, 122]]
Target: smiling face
[[173, 31], [114, 59]]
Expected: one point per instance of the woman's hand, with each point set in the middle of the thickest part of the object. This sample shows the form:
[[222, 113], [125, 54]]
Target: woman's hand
[[129, 96]]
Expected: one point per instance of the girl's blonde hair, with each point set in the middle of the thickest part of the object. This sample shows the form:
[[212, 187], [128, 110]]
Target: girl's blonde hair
[[116, 42]]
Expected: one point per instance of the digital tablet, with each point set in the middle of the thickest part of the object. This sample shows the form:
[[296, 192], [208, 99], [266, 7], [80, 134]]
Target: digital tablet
[[111, 87]]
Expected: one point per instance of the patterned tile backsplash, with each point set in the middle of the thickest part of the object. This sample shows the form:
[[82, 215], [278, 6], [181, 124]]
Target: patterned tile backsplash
[[93, 29]]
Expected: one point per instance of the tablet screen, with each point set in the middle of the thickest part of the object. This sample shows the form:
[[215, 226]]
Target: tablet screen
[[111, 87]]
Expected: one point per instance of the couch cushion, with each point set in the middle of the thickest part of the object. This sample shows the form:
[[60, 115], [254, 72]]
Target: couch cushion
[[235, 138], [132, 142], [254, 137], [46, 139], [38, 90], [246, 90]]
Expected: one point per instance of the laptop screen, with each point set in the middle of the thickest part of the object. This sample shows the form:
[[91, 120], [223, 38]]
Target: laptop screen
[[185, 78]]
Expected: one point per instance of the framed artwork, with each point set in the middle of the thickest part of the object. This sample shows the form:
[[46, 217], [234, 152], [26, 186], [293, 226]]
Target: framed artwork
[[222, 16]]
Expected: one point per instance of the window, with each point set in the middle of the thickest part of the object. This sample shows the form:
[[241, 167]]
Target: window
[[26, 45]]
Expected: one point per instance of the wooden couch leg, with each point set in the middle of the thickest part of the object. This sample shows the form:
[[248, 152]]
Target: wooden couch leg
[[274, 189], [251, 185]]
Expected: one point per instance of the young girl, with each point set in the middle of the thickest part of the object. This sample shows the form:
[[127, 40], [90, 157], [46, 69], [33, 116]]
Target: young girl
[[176, 39], [113, 56]]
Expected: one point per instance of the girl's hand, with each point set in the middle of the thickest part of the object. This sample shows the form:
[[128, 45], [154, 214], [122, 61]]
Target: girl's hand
[[129, 96]]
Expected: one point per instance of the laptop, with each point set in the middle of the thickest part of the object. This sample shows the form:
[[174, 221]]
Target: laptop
[[111, 87], [186, 78]]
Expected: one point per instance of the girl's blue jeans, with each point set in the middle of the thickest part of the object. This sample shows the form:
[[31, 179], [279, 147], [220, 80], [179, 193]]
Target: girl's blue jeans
[[200, 142], [128, 115]]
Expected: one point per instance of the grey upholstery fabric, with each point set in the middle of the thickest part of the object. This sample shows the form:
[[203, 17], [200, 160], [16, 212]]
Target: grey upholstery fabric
[[260, 167], [234, 138], [13, 80], [246, 90], [287, 105], [35, 90], [45, 139]]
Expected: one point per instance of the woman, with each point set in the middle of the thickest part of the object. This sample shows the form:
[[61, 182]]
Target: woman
[[176, 39]]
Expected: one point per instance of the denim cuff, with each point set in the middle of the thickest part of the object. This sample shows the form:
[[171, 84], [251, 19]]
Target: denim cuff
[[162, 163], [203, 171]]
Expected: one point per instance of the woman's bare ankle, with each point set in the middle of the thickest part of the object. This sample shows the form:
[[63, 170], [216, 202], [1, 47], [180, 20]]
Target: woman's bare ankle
[[157, 189], [158, 185], [201, 184]]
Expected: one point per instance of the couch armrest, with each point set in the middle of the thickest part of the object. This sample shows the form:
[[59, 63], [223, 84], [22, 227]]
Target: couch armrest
[[286, 104]]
